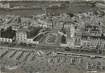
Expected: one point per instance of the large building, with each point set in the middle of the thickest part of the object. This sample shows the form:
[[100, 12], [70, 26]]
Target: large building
[[21, 36], [27, 35]]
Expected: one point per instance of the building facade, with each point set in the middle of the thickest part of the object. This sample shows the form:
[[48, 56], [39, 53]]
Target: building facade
[[21, 36]]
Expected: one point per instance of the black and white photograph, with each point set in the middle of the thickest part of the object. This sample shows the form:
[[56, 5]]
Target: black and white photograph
[[52, 36]]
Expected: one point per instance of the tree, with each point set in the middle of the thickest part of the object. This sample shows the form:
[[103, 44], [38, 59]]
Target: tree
[[63, 39]]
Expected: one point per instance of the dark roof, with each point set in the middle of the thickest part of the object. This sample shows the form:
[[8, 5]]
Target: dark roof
[[8, 33], [33, 31]]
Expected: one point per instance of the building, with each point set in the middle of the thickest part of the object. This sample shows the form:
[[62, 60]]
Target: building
[[27, 35], [21, 36], [85, 33], [7, 35]]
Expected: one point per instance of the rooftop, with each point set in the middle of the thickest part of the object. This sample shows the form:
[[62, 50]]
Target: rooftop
[[31, 31]]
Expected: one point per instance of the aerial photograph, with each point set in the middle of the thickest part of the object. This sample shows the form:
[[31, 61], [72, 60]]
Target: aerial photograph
[[52, 36]]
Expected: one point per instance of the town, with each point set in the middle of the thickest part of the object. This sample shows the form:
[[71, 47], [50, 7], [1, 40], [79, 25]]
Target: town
[[66, 35]]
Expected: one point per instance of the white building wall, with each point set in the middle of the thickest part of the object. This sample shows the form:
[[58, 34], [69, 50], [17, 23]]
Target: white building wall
[[30, 41], [6, 40], [21, 36]]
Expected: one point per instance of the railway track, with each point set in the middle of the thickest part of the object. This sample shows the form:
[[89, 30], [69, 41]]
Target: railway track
[[21, 54], [83, 55]]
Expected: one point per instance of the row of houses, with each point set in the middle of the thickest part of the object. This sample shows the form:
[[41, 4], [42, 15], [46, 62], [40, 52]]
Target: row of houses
[[87, 34], [20, 36]]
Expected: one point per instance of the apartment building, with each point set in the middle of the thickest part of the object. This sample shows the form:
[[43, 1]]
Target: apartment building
[[21, 36], [86, 33]]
